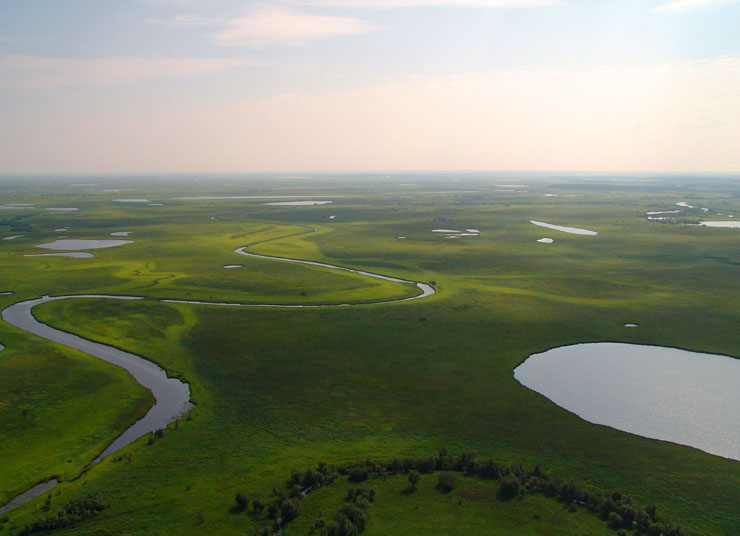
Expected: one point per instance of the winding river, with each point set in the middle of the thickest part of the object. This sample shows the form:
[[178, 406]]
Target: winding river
[[172, 397]]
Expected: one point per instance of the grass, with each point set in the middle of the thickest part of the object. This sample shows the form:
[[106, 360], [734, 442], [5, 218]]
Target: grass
[[45, 390], [472, 508], [280, 389]]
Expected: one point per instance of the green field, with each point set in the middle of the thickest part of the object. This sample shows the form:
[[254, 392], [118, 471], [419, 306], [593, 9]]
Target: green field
[[281, 389]]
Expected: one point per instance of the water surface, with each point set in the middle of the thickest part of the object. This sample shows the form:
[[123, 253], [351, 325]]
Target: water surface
[[732, 224], [72, 244], [74, 255], [298, 203], [172, 396], [561, 228], [675, 395]]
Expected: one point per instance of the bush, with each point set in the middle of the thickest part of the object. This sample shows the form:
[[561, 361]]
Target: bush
[[446, 482], [509, 486], [289, 509], [241, 500], [414, 478], [74, 512], [359, 474], [615, 520]]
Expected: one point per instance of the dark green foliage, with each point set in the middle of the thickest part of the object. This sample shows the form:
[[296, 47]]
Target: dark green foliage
[[313, 478], [241, 500], [74, 512], [615, 520], [414, 478], [273, 511], [351, 519], [258, 506], [616, 508], [358, 474], [509, 486], [289, 509], [446, 482]]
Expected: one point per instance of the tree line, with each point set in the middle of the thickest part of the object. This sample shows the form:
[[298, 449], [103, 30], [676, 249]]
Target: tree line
[[615, 508]]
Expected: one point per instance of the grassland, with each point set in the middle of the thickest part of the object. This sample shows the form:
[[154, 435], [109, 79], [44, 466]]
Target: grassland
[[279, 389], [472, 508]]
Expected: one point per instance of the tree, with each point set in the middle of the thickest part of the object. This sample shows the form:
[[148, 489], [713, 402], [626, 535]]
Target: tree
[[358, 474], [241, 501], [446, 482], [258, 506], [509, 486], [414, 478], [290, 509], [615, 520]]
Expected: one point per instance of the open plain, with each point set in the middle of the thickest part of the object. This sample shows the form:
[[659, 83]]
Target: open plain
[[364, 373]]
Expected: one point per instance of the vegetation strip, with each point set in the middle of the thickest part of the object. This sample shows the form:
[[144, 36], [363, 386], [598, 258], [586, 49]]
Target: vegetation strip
[[515, 481]]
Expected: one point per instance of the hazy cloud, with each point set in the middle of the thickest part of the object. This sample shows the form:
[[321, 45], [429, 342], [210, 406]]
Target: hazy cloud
[[278, 26], [682, 6], [423, 3], [188, 20], [680, 116], [35, 72]]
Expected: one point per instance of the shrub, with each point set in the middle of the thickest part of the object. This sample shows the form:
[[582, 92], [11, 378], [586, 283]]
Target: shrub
[[74, 511], [509, 486], [289, 509], [446, 482], [615, 520], [414, 478], [359, 474], [241, 500]]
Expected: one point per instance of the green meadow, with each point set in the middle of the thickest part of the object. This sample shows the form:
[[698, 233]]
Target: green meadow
[[281, 389]]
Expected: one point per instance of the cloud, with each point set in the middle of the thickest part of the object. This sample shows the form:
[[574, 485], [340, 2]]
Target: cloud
[[428, 3], [35, 72], [278, 26], [188, 20], [682, 6], [678, 116]]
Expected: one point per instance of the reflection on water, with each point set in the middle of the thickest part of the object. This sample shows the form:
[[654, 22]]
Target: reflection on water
[[663, 393]]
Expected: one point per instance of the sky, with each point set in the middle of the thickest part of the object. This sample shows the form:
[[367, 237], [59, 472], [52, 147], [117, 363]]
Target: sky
[[132, 86]]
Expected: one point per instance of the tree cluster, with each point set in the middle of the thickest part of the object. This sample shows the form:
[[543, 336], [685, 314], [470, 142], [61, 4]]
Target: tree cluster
[[351, 519], [286, 504], [615, 508], [74, 511]]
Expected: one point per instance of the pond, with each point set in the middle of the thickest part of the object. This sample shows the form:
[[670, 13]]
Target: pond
[[74, 255], [72, 244], [299, 203], [675, 395], [564, 229], [732, 224]]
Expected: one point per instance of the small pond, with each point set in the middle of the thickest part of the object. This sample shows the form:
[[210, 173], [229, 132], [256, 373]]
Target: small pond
[[72, 244], [298, 203], [74, 255], [564, 229], [733, 224], [675, 395]]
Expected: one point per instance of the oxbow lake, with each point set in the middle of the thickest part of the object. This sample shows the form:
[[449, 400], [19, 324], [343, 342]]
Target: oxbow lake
[[675, 395]]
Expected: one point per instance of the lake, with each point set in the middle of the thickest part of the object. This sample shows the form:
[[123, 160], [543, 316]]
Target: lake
[[675, 395]]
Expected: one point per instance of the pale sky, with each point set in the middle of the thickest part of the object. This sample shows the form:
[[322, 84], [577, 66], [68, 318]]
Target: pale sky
[[123, 86]]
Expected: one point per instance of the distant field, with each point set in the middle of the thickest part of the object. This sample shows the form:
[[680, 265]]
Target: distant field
[[280, 389]]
